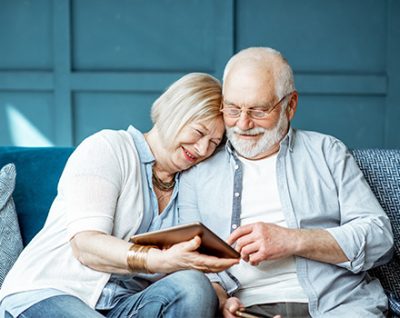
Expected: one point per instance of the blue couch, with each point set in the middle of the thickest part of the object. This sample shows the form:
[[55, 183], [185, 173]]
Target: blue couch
[[38, 171]]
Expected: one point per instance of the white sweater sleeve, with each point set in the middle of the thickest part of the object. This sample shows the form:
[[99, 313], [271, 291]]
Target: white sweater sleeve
[[92, 182]]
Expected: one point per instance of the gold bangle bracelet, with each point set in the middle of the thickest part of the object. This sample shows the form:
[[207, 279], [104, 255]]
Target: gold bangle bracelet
[[137, 258]]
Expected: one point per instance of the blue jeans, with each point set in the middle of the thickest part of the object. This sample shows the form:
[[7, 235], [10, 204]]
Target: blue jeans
[[181, 294]]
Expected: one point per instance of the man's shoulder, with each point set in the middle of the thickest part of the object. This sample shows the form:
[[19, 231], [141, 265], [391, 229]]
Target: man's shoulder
[[214, 163], [314, 138], [220, 156]]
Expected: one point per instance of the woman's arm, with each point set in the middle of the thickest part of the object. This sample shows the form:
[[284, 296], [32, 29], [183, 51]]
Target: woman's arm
[[101, 252], [106, 253]]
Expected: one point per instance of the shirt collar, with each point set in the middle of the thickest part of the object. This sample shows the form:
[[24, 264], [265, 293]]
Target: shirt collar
[[289, 139], [142, 147]]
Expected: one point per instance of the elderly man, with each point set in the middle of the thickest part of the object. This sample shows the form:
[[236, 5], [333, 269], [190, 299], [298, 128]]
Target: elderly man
[[293, 202]]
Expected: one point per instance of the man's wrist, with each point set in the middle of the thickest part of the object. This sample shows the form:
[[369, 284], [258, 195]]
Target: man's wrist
[[221, 294]]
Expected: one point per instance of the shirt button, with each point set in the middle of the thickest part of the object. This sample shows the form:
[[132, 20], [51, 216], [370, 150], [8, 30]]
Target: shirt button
[[236, 167], [234, 226], [237, 194]]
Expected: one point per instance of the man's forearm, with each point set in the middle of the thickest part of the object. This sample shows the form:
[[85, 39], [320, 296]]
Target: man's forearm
[[221, 294], [319, 245]]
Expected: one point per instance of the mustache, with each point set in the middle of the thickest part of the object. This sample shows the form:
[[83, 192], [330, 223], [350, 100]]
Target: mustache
[[251, 132]]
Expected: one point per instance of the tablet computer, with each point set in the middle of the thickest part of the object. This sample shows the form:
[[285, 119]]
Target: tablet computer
[[211, 244]]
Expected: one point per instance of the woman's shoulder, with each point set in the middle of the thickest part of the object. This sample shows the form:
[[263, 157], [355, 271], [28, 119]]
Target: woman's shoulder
[[106, 145], [113, 137]]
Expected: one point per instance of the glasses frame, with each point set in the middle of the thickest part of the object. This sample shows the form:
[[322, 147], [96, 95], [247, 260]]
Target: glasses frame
[[249, 111]]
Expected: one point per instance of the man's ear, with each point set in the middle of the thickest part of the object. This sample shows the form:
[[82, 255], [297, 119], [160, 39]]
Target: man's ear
[[292, 105]]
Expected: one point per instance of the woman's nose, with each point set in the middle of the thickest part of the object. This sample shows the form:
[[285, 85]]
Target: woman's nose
[[201, 146]]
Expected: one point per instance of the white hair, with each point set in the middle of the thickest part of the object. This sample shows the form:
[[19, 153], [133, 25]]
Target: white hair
[[283, 74]]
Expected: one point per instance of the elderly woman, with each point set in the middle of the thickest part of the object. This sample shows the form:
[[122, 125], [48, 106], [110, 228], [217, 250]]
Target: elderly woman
[[116, 184]]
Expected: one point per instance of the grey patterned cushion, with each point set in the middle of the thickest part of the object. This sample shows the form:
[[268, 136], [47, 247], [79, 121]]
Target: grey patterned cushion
[[10, 236], [381, 168]]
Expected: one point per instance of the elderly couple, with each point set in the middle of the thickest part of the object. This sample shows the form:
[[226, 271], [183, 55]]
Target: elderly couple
[[293, 202]]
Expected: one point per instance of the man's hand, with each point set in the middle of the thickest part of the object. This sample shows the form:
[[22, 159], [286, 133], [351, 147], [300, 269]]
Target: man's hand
[[261, 241], [231, 306], [227, 305]]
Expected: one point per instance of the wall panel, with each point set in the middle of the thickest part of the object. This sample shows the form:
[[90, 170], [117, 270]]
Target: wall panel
[[72, 67], [94, 111], [144, 35], [339, 54], [26, 118], [318, 36], [26, 35], [357, 120]]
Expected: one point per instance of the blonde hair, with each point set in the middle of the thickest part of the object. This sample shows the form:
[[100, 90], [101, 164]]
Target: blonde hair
[[195, 96], [283, 74]]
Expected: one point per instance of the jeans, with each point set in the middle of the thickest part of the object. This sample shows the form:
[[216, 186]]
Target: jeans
[[62, 306], [181, 294]]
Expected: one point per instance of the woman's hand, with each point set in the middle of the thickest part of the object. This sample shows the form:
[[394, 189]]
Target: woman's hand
[[184, 256]]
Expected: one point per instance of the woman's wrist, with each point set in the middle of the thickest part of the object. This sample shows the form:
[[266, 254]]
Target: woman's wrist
[[137, 258]]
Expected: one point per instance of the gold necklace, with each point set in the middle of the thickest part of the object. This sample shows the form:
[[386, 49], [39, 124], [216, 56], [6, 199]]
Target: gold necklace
[[162, 185]]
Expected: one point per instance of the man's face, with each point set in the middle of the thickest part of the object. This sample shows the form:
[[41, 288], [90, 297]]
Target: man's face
[[249, 88]]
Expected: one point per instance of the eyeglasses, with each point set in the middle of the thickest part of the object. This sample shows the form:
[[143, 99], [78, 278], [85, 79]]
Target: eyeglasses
[[235, 112]]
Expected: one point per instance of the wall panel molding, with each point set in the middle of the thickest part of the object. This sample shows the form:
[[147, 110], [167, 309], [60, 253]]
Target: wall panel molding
[[26, 81]]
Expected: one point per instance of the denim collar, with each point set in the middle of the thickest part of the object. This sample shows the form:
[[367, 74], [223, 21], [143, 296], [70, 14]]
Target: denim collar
[[142, 147]]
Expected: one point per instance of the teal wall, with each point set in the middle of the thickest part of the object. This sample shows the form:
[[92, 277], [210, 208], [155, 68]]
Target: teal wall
[[71, 67]]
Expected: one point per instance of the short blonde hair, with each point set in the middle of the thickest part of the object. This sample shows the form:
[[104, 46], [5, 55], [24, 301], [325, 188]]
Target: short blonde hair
[[195, 96]]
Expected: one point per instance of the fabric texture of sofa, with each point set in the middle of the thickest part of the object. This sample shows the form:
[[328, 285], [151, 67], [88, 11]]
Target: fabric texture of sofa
[[39, 169]]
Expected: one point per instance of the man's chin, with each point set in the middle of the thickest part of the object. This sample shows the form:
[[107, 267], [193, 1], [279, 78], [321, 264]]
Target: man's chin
[[246, 151]]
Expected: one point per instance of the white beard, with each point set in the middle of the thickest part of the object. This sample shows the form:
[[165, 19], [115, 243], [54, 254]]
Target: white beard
[[270, 137]]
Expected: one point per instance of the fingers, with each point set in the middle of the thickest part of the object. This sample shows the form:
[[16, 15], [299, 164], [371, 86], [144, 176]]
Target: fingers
[[244, 243], [248, 250], [212, 264], [231, 305], [255, 259], [194, 243], [189, 246], [239, 232]]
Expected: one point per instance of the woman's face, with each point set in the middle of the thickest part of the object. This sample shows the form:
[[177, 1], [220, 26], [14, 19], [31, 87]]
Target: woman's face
[[196, 141]]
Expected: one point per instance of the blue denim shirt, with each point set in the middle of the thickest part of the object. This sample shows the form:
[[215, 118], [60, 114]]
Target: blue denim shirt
[[320, 186]]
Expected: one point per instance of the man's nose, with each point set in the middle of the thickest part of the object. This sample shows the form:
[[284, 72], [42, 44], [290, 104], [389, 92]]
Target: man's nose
[[244, 122]]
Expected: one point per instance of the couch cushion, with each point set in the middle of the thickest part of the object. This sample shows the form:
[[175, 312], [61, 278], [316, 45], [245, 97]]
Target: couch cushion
[[381, 168], [39, 170], [10, 236]]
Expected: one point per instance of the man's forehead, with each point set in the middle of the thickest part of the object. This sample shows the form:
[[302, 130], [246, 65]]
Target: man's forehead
[[249, 85], [250, 72]]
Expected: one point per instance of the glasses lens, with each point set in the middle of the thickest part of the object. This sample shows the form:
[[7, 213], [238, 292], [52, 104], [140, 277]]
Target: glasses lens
[[232, 112], [256, 113]]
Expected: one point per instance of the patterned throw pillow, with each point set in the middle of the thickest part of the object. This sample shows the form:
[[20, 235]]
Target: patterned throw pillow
[[10, 236]]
